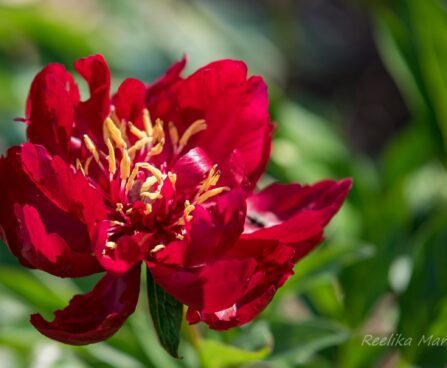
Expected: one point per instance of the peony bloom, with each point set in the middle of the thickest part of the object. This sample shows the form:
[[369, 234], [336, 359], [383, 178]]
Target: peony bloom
[[161, 175]]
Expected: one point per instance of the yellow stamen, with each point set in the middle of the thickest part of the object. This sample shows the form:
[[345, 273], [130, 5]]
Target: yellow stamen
[[158, 148], [158, 248], [173, 133], [211, 193], [137, 132], [87, 164], [79, 166], [111, 157], [115, 133], [147, 122], [125, 165], [148, 183], [194, 128], [118, 223], [211, 180], [119, 207], [158, 133], [129, 211], [139, 145], [151, 195], [179, 236], [111, 245], [152, 169], [172, 178], [91, 147], [131, 179]]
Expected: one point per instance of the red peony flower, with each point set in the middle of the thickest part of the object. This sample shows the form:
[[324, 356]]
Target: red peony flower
[[160, 174]]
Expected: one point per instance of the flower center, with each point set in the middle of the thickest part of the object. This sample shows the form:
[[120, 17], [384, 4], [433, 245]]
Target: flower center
[[142, 190]]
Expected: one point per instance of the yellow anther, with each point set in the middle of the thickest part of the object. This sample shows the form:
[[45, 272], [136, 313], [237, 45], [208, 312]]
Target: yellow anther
[[139, 145], [129, 211], [125, 165], [148, 209], [111, 245], [79, 166], [211, 180], [91, 147], [172, 178], [158, 133], [188, 209], [158, 248], [118, 223], [211, 193], [131, 179], [151, 195], [173, 133], [111, 157], [119, 207], [152, 169], [148, 183], [87, 164], [147, 122], [179, 236], [158, 148], [194, 128], [115, 133], [137, 132]]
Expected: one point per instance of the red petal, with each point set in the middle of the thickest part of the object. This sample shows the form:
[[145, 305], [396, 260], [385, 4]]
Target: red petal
[[17, 188], [129, 251], [50, 109], [49, 251], [191, 169], [235, 109], [94, 316], [92, 112], [210, 288], [294, 213], [129, 101], [66, 188]]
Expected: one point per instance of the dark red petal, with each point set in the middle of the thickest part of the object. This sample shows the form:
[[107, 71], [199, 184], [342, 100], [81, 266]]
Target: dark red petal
[[235, 109], [17, 188], [49, 251], [274, 265], [129, 101], [68, 189], [93, 111], [293, 213], [191, 169], [50, 109], [214, 228], [94, 316], [129, 251], [210, 288]]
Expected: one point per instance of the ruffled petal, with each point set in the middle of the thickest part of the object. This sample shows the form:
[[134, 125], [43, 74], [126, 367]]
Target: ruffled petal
[[129, 101], [94, 316], [235, 109], [93, 111], [191, 169], [17, 189], [68, 189], [49, 252], [210, 288], [274, 265], [50, 109], [120, 256], [294, 213]]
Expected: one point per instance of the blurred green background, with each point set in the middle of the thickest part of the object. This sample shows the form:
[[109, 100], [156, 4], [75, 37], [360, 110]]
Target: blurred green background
[[357, 89]]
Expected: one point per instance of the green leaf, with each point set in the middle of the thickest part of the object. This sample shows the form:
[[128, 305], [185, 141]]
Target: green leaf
[[167, 315], [214, 354]]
